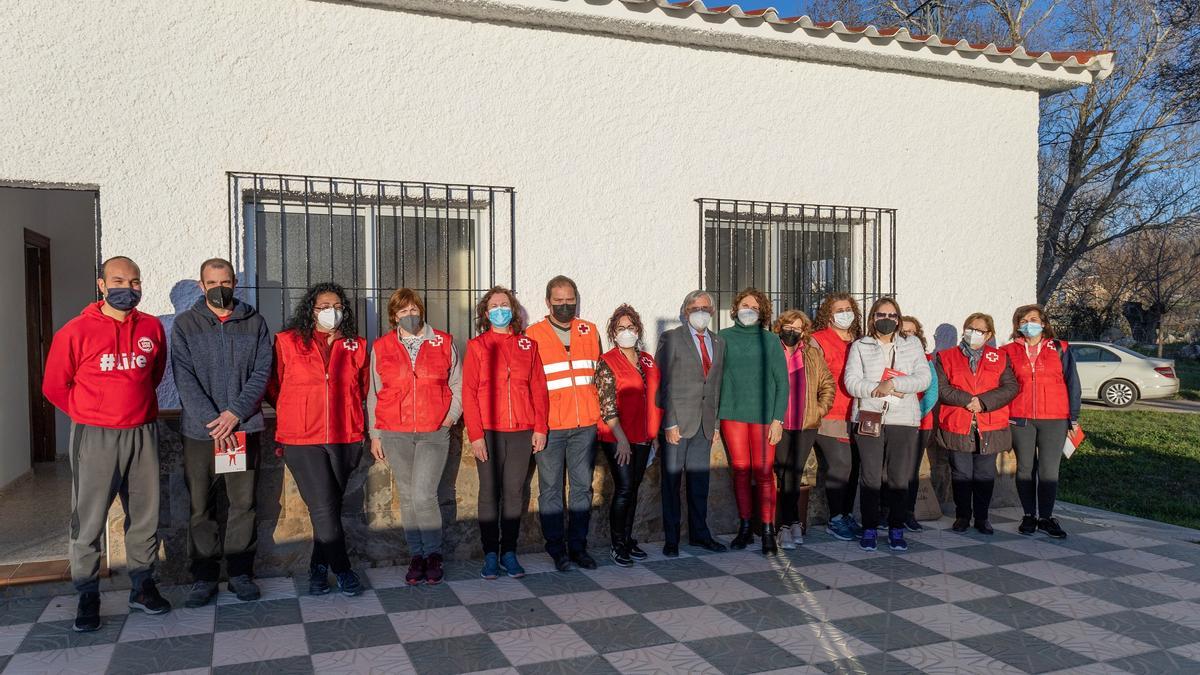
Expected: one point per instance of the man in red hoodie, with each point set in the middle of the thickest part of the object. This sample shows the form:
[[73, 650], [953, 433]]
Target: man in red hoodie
[[102, 371]]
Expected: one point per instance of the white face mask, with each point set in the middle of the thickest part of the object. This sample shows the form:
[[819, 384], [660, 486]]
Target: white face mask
[[699, 319], [974, 338], [843, 319], [329, 318], [627, 338], [747, 317]]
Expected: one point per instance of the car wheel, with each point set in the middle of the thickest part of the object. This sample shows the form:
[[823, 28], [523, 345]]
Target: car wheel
[[1118, 394]]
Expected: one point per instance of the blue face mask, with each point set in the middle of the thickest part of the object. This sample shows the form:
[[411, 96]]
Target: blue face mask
[[500, 317], [1031, 329], [123, 299]]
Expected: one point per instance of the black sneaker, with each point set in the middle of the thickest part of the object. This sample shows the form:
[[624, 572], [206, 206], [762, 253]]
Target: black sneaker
[[349, 583], [148, 599], [201, 593], [87, 619], [244, 588], [912, 525], [1028, 526], [961, 524], [1051, 528], [318, 579], [584, 560], [562, 563], [621, 557], [636, 553]]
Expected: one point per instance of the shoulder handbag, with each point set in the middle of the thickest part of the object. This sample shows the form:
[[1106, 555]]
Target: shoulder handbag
[[870, 423]]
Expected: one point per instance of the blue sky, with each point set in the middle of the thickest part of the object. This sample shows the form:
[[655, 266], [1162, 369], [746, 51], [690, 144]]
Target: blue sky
[[785, 7]]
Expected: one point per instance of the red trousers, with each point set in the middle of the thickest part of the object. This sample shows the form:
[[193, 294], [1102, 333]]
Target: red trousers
[[748, 450]]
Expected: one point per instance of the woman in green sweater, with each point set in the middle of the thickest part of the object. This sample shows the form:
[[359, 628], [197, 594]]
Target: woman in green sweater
[[754, 396]]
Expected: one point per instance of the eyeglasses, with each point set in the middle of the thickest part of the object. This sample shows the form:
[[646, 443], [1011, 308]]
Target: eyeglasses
[[886, 315], [337, 306]]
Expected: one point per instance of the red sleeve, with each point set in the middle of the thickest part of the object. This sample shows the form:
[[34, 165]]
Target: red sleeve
[[654, 419], [60, 369], [272, 395], [364, 370], [539, 394], [470, 393], [160, 363]]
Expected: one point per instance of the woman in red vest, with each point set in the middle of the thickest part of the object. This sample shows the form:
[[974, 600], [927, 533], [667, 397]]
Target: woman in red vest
[[318, 388], [416, 396], [838, 323], [910, 326], [506, 407], [627, 380], [975, 385], [1045, 409], [810, 396]]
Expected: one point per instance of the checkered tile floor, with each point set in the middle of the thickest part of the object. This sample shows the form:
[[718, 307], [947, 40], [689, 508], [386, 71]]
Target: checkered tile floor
[[1120, 595]]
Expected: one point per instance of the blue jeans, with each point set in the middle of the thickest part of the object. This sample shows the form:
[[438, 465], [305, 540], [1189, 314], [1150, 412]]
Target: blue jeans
[[572, 451]]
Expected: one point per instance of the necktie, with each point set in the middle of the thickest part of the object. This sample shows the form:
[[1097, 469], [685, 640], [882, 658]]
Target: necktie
[[705, 359]]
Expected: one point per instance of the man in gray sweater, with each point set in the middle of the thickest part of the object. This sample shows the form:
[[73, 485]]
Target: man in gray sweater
[[221, 356]]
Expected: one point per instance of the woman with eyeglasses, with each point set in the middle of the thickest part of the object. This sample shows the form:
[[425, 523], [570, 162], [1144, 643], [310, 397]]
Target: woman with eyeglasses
[[1045, 410], [838, 324], [627, 381], [885, 372], [975, 385], [506, 408], [810, 395], [754, 397], [911, 327], [318, 389]]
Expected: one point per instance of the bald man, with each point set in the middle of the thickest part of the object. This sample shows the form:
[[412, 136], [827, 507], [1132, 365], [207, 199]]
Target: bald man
[[102, 371]]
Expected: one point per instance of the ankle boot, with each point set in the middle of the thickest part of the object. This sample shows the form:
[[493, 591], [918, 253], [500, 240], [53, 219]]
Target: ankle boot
[[744, 536], [769, 545]]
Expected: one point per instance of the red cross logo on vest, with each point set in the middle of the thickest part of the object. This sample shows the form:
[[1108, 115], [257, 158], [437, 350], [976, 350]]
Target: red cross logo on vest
[[350, 345], [524, 343], [584, 329], [1052, 345], [992, 356], [436, 340], [647, 361]]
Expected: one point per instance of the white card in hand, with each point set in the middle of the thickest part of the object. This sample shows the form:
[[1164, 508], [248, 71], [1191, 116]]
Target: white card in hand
[[230, 459]]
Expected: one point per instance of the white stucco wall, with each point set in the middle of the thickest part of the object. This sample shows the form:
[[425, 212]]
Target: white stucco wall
[[607, 140]]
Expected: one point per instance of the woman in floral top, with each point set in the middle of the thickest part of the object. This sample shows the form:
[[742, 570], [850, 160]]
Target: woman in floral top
[[627, 380]]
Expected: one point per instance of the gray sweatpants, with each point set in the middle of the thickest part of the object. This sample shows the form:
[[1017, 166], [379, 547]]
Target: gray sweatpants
[[417, 461], [106, 463]]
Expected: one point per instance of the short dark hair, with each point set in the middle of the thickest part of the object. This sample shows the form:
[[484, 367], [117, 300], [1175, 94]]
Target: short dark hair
[[561, 280], [103, 273], [483, 324], [764, 306], [1047, 330], [217, 264], [401, 298], [635, 318]]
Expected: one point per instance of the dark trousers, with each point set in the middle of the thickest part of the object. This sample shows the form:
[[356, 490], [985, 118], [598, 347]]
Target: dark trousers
[[627, 479], [205, 546], [692, 456], [791, 455], [839, 461], [1039, 445], [321, 473], [887, 455], [571, 452], [914, 485], [502, 481], [973, 478]]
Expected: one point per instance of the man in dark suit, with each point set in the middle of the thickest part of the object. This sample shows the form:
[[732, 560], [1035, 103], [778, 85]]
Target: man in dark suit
[[690, 359]]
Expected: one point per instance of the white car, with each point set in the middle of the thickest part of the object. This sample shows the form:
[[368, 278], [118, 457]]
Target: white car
[[1118, 377]]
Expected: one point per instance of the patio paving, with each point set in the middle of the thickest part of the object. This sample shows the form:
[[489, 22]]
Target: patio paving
[[1120, 595]]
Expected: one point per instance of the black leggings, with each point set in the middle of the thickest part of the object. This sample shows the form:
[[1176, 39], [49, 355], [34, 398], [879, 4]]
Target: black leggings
[[321, 473], [1039, 445], [626, 481], [886, 463], [790, 457], [973, 479], [914, 485], [502, 481], [839, 460]]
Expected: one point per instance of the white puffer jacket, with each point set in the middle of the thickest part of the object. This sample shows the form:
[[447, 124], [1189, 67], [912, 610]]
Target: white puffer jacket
[[864, 370]]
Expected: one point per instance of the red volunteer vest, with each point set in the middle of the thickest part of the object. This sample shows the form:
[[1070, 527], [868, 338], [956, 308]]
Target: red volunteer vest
[[640, 417], [927, 420], [1043, 388], [835, 350], [957, 420], [313, 405], [413, 399]]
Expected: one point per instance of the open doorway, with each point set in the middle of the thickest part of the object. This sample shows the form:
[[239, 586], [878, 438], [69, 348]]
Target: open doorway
[[48, 245]]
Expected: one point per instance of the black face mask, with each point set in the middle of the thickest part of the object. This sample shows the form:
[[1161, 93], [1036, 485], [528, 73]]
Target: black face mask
[[790, 338], [885, 326], [122, 299], [220, 297], [563, 313]]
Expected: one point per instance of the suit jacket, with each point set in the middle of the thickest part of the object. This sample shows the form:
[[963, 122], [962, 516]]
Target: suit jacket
[[688, 399]]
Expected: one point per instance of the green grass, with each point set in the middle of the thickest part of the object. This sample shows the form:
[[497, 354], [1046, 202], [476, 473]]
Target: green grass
[[1137, 462], [1188, 370]]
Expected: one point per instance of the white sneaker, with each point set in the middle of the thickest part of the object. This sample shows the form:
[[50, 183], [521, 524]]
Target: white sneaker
[[798, 533], [785, 539]]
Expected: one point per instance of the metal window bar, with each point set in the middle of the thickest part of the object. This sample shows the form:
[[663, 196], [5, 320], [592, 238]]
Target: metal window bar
[[287, 232], [795, 253]]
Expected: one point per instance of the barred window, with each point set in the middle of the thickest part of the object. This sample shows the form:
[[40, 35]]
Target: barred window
[[449, 242], [795, 253]]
